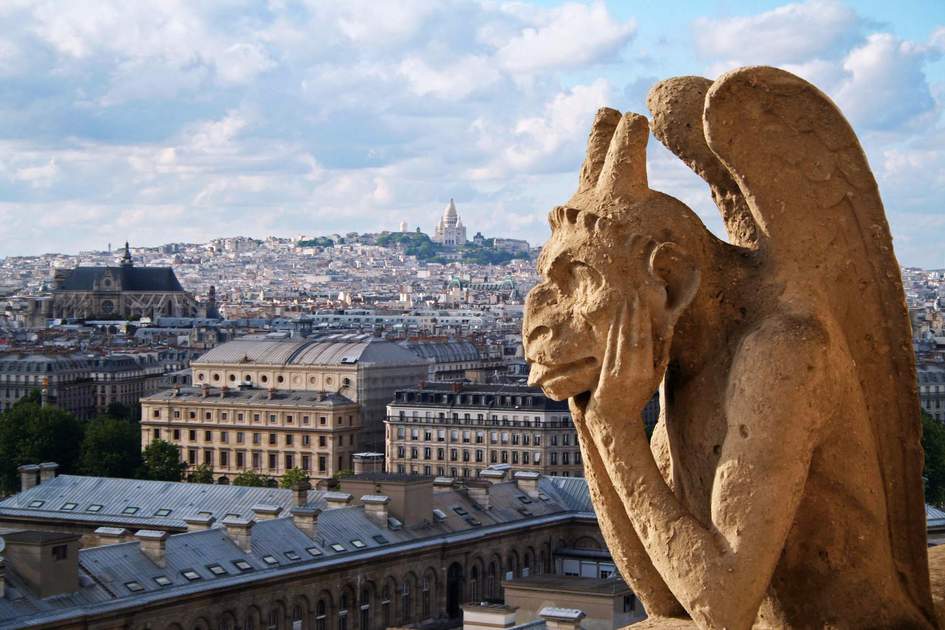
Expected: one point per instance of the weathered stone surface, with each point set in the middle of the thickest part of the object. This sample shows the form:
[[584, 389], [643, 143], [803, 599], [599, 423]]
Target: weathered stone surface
[[782, 486]]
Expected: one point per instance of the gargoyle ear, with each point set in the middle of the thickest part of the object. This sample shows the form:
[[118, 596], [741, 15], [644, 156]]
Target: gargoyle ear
[[671, 264]]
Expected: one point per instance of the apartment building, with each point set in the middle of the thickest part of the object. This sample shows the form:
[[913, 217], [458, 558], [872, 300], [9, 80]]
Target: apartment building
[[64, 380], [125, 378], [456, 430], [268, 431]]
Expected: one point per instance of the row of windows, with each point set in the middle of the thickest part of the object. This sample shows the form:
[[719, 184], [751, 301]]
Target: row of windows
[[254, 460], [479, 437], [223, 437], [264, 378], [273, 418], [455, 473], [495, 456]]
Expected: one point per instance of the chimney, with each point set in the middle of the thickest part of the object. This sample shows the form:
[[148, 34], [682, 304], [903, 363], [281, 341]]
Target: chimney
[[337, 500], [561, 618], [265, 512], [301, 493], [375, 508], [485, 616], [306, 519], [527, 482], [199, 523], [442, 484], [29, 474], [492, 475], [240, 532], [47, 471], [111, 535], [47, 561], [478, 491], [153, 544]]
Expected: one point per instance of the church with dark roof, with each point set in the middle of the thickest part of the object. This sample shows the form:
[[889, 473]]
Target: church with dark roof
[[122, 292]]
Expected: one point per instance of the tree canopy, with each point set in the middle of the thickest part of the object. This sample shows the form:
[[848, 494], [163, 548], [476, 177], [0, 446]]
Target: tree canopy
[[111, 448], [162, 462], [933, 443], [201, 473], [293, 477], [250, 478]]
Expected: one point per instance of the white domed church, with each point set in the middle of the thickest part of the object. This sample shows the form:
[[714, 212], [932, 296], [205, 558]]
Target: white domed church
[[450, 231]]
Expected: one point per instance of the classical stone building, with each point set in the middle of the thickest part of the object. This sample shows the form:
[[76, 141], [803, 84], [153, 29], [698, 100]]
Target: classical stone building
[[268, 431], [361, 368], [64, 380], [460, 430], [372, 555], [450, 231], [125, 378], [122, 292]]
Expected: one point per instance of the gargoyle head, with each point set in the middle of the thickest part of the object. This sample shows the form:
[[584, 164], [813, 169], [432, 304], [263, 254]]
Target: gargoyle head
[[613, 246]]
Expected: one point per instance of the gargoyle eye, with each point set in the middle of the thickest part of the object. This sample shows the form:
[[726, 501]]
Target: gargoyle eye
[[571, 276]]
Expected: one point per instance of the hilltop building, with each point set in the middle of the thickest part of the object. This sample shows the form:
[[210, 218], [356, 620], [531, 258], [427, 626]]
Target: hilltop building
[[450, 231]]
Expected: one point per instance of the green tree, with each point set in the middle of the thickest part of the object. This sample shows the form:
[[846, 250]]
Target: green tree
[[111, 448], [933, 443], [250, 478], [292, 477], [341, 474], [162, 462], [32, 434], [202, 473]]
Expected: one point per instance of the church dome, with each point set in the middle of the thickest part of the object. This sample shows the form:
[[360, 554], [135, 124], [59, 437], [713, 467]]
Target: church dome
[[450, 216]]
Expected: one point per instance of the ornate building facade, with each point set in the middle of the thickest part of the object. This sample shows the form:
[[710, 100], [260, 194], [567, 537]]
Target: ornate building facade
[[122, 292], [450, 231]]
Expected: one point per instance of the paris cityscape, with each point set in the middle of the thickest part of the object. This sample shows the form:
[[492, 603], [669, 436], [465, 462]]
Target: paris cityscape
[[268, 319]]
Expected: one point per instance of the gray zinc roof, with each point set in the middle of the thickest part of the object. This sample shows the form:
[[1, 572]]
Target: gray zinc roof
[[325, 350]]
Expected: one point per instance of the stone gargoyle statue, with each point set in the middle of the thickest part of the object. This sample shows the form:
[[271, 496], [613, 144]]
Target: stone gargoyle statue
[[782, 484]]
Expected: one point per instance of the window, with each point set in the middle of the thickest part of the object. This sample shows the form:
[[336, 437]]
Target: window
[[60, 552], [192, 434], [190, 575], [216, 569], [338, 547], [95, 507], [208, 435], [380, 539], [163, 512], [68, 507], [134, 587], [291, 555], [288, 439], [313, 551], [38, 504], [224, 436], [270, 560], [272, 439], [239, 437], [242, 565], [358, 543], [162, 581], [130, 510], [157, 436]]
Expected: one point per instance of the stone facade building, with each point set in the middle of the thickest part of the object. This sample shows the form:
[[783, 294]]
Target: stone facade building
[[339, 560], [360, 367], [457, 430], [122, 292], [268, 431], [125, 378], [63, 380]]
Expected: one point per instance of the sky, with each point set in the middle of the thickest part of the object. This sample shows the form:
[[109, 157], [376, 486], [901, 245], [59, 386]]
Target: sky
[[181, 121]]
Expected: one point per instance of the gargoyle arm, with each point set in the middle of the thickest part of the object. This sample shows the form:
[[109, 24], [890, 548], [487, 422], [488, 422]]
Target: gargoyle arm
[[630, 555], [775, 398]]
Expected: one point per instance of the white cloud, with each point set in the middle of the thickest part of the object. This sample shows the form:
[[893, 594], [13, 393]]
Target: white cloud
[[570, 36], [793, 33], [39, 176], [455, 81]]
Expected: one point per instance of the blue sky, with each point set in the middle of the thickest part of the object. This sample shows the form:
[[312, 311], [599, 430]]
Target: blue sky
[[186, 121]]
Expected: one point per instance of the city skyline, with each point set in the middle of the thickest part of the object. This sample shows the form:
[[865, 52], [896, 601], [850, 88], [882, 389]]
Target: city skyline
[[172, 123]]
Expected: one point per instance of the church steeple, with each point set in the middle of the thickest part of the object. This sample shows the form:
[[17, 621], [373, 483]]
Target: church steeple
[[126, 257]]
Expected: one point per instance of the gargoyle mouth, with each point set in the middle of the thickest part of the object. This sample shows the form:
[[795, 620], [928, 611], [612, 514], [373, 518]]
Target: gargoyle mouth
[[543, 375]]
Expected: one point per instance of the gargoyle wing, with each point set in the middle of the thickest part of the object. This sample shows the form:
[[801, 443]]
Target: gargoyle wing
[[816, 207]]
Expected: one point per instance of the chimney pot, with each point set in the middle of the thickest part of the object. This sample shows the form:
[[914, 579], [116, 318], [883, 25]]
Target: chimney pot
[[492, 475], [527, 482], [375, 508], [336, 500], [111, 535], [306, 519], [478, 491], [153, 544], [47, 471], [301, 493], [240, 532], [265, 512], [29, 476], [199, 523]]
